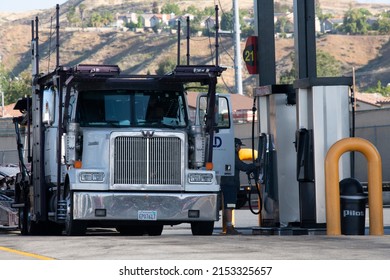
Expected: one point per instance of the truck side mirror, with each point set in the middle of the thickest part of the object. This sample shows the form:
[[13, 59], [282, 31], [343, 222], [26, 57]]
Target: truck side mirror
[[48, 110]]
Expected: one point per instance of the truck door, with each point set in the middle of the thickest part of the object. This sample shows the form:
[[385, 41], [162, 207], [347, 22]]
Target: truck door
[[223, 143]]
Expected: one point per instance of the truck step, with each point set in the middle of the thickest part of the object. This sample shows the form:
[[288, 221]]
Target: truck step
[[61, 210]]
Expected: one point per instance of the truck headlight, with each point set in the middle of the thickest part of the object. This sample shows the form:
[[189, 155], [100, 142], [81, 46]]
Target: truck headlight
[[91, 176], [200, 178]]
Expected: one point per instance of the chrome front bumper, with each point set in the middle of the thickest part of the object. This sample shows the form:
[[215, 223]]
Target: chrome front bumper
[[127, 206]]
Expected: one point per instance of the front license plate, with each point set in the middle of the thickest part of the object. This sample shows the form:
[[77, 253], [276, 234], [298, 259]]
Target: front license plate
[[144, 215]]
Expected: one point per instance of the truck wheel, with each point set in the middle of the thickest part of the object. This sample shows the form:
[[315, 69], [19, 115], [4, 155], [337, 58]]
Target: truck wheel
[[28, 227], [23, 221], [202, 228], [72, 227], [25, 224]]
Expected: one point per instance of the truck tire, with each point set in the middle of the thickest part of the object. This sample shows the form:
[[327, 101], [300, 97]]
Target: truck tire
[[202, 228], [72, 227], [28, 227], [23, 221]]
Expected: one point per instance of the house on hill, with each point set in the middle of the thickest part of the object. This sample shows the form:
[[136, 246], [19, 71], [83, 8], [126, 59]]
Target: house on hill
[[9, 112], [371, 101], [330, 25]]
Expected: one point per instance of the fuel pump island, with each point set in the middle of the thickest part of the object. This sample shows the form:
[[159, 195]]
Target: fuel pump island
[[298, 125]]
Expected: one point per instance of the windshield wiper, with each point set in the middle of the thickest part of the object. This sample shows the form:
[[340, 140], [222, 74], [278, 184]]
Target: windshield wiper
[[113, 123]]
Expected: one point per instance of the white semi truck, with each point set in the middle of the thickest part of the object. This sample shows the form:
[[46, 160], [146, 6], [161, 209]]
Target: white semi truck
[[120, 151]]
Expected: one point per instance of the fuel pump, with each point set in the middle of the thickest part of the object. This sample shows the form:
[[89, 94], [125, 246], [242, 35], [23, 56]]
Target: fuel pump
[[305, 175]]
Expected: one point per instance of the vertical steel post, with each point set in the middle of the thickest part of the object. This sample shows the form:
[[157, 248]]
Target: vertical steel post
[[57, 35], [216, 36], [266, 42], [237, 49], [188, 40], [178, 41], [305, 41]]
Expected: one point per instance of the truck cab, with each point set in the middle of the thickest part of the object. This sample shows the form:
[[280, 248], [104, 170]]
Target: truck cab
[[121, 151]]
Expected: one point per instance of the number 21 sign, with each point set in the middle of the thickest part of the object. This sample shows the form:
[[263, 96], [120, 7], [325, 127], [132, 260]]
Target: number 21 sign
[[250, 54]]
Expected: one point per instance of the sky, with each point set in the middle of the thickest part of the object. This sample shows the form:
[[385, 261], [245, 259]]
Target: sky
[[27, 5]]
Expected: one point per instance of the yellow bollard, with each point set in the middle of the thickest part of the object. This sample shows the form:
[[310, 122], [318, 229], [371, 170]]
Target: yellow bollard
[[224, 218], [375, 201]]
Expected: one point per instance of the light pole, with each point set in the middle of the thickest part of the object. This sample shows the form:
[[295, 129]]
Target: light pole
[[237, 49]]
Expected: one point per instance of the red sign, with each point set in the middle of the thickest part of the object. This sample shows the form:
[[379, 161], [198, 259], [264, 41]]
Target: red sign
[[250, 54]]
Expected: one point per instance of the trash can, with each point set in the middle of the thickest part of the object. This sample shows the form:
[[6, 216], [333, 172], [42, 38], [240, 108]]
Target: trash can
[[352, 207]]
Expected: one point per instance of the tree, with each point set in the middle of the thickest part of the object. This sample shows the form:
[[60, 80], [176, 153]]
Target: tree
[[140, 23], [227, 21], [81, 10], [155, 8], [107, 18], [71, 16], [99, 20], [281, 24], [166, 66], [170, 8], [289, 76], [16, 87], [383, 90], [193, 10], [281, 8], [95, 20], [247, 31], [327, 66], [208, 11], [355, 21], [318, 9], [321, 16], [383, 24]]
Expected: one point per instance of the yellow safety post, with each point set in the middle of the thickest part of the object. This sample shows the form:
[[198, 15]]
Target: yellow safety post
[[223, 215], [224, 218], [375, 202], [224, 226]]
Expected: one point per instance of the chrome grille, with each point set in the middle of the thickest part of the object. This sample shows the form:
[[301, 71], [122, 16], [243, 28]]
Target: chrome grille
[[150, 161]]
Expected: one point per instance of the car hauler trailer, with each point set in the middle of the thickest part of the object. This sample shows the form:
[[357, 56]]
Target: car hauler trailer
[[120, 151]]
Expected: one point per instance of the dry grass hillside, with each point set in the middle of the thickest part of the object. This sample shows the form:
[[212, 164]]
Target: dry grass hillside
[[142, 52]]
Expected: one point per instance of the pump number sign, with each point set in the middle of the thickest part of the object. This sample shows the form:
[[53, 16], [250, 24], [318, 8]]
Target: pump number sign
[[250, 54]]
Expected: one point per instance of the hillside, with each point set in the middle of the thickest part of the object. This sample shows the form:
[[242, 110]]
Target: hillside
[[140, 53]]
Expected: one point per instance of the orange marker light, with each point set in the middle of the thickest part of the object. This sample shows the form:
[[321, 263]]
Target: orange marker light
[[77, 164], [209, 166]]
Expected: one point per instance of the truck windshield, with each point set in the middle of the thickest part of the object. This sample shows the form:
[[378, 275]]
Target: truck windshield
[[133, 108]]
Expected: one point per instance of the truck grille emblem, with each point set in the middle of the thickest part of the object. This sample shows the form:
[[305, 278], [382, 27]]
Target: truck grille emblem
[[147, 133]]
